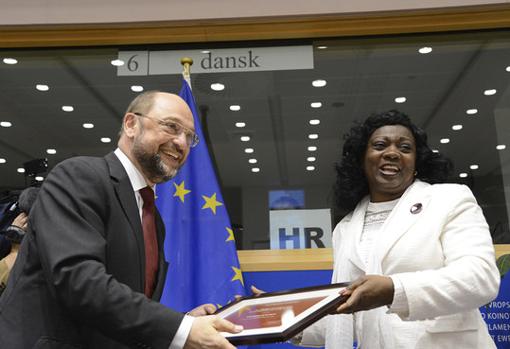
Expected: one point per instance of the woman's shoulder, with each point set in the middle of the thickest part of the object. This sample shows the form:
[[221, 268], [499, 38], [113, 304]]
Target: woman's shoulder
[[451, 187], [452, 191]]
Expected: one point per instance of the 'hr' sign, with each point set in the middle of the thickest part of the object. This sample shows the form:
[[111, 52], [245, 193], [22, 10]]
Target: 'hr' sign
[[296, 229]]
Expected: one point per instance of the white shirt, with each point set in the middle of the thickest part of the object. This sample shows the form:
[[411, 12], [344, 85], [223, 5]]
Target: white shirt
[[376, 214], [138, 182]]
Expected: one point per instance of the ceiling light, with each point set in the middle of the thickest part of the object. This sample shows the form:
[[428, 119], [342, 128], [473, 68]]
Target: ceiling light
[[67, 108], [500, 147], [51, 151], [310, 168], [471, 111], [41, 87], [5, 124], [137, 88], [314, 122], [2, 161], [322, 47], [425, 50], [316, 104], [240, 124], [255, 169], [248, 150], [39, 178], [235, 107], [319, 83], [312, 148], [313, 136], [106, 140], [88, 125], [400, 99], [435, 151], [474, 167], [245, 138], [117, 62], [311, 159], [457, 127], [10, 60], [217, 86], [463, 175], [20, 170], [508, 69], [445, 140], [252, 161], [490, 92]]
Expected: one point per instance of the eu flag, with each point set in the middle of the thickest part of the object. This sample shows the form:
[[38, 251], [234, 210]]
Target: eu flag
[[199, 245]]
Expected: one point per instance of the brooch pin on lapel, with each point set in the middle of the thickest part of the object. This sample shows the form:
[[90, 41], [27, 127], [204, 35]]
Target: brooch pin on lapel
[[416, 208]]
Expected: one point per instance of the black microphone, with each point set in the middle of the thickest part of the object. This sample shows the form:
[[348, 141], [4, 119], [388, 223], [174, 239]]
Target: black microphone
[[27, 198]]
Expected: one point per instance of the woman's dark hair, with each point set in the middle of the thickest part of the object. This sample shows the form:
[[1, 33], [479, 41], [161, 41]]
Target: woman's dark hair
[[351, 183]]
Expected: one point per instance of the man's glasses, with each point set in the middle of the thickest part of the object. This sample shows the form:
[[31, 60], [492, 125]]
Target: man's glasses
[[175, 129]]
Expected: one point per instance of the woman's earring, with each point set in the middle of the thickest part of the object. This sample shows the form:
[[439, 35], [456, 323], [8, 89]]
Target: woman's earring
[[415, 173]]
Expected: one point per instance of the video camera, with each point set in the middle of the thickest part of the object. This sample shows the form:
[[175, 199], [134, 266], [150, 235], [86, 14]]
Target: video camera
[[13, 206], [16, 202]]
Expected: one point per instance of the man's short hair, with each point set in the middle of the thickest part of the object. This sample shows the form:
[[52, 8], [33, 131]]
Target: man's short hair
[[141, 104]]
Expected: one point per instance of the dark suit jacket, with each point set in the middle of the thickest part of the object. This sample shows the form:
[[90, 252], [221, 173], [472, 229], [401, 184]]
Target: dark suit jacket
[[79, 278]]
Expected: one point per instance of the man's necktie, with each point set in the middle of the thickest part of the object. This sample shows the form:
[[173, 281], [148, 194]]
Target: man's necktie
[[150, 240]]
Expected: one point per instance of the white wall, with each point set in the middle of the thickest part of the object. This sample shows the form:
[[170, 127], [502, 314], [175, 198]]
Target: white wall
[[15, 12]]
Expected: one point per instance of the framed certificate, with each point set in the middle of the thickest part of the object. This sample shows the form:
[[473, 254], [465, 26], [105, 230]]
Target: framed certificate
[[278, 316]]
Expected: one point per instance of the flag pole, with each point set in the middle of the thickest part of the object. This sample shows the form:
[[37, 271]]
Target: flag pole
[[192, 205], [187, 62]]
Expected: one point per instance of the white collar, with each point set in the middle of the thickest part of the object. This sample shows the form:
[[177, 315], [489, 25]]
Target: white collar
[[135, 177]]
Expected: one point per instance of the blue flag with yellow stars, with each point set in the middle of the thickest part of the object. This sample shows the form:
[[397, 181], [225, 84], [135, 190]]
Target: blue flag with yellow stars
[[199, 246]]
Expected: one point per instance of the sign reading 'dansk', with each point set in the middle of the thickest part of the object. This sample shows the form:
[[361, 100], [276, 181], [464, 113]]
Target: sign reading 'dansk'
[[295, 229], [217, 61]]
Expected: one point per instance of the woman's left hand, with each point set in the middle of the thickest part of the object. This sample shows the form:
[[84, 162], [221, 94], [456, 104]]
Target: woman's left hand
[[367, 292]]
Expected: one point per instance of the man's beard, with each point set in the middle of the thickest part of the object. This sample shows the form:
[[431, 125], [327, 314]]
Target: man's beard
[[152, 165]]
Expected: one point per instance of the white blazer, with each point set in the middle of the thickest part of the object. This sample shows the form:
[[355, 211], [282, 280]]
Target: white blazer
[[436, 241]]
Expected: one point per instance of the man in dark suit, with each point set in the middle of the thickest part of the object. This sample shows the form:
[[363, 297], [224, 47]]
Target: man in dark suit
[[85, 275]]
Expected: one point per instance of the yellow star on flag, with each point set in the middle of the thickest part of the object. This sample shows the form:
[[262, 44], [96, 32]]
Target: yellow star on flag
[[230, 234], [180, 191], [238, 275], [211, 202]]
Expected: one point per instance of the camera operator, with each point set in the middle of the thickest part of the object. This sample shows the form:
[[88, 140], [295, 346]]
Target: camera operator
[[15, 232]]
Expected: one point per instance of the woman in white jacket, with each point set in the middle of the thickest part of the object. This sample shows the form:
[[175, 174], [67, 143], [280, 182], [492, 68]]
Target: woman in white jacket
[[420, 252]]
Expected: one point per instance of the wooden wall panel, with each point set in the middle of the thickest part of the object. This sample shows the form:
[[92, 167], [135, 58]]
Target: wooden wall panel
[[305, 259], [299, 27]]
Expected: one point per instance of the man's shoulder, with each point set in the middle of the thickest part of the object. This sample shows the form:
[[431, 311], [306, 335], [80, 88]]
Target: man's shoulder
[[79, 168], [83, 162], [79, 160]]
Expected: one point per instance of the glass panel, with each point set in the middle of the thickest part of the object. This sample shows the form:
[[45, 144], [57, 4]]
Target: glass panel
[[442, 88]]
